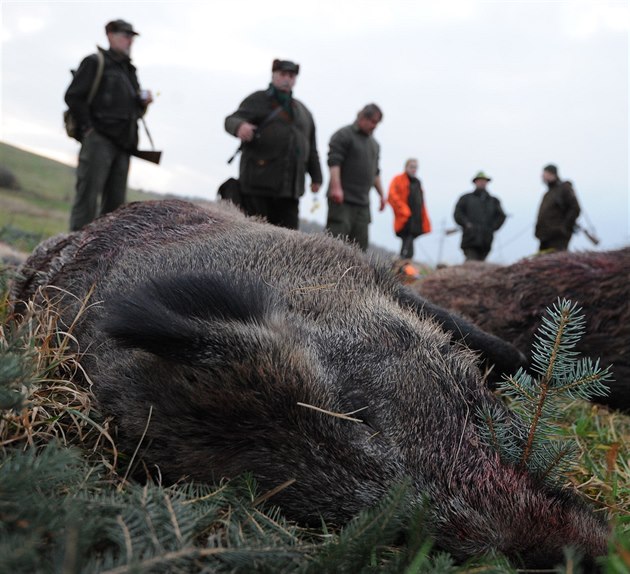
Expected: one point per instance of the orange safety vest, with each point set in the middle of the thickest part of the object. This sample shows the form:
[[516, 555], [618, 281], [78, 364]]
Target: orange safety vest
[[398, 198]]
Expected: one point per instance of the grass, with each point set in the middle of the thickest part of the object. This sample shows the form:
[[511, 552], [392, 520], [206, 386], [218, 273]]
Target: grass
[[228, 525], [603, 473], [41, 207]]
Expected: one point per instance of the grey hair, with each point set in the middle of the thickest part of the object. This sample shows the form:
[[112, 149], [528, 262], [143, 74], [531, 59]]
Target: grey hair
[[371, 110]]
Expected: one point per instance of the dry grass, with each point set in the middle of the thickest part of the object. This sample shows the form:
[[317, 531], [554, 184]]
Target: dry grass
[[57, 401], [58, 406], [603, 472]]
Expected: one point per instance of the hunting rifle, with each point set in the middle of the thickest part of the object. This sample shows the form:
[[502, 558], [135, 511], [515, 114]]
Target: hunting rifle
[[260, 126], [591, 235], [148, 155]]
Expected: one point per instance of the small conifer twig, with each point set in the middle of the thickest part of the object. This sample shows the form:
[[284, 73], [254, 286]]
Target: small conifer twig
[[528, 441], [273, 491], [173, 517], [515, 386], [534, 425], [565, 314]]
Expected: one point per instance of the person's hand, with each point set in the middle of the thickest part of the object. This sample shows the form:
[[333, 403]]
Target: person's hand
[[383, 203], [145, 97], [315, 187], [246, 132], [336, 193]]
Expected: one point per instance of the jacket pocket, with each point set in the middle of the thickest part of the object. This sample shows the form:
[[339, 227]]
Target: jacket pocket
[[266, 173]]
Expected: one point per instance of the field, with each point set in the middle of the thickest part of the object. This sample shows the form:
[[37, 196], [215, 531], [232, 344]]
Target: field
[[41, 206]]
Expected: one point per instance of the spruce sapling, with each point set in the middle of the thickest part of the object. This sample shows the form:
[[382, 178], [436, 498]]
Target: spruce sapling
[[528, 438]]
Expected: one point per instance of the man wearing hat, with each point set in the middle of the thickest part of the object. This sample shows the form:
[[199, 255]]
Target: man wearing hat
[[107, 123], [278, 146], [479, 214], [558, 212]]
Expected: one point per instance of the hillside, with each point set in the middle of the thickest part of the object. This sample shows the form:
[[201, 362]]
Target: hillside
[[37, 203]]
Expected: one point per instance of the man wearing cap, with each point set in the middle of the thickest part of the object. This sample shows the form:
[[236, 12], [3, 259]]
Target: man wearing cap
[[353, 159], [558, 212], [108, 125], [479, 215], [278, 146]]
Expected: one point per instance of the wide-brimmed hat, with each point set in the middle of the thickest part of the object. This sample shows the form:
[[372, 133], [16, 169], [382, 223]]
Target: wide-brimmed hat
[[120, 26], [285, 66], [481, 175]]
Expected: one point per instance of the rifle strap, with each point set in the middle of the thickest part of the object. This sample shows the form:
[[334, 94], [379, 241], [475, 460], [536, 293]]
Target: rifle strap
[[146, 129], [99, 75], [261, 125]]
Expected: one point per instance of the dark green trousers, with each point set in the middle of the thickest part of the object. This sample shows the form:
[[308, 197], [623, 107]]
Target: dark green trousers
[[476, 253], [101, 179], [280, 211], [350, 222], [555, 243]]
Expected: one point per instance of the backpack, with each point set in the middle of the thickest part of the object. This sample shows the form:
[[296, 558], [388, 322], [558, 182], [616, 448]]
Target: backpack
[[230, 190], [72, 128]]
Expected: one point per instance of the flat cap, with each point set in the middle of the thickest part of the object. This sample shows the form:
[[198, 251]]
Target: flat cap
[[120, 26], [285, 66]]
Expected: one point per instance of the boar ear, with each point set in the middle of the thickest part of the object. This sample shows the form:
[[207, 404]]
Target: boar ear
[[505, 356], [190, 318]]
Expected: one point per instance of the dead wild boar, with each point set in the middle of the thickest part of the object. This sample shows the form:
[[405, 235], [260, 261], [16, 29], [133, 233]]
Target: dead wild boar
[[509, 301], [235, 345]]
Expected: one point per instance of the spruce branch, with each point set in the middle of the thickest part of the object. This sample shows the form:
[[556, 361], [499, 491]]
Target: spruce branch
[[529, 439], [368, 535]]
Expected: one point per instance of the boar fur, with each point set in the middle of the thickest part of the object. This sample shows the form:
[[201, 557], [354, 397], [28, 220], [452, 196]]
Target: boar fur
[[217, 334], [509, 301]]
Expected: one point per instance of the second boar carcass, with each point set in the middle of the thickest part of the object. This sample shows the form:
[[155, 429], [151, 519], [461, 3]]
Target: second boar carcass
[[224, 345], [509, 302]]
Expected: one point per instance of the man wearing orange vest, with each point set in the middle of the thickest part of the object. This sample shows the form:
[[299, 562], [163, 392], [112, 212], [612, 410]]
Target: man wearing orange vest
[[406, 196]]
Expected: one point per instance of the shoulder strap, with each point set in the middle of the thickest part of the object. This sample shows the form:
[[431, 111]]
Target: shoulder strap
[[99, 74], [271, 116]]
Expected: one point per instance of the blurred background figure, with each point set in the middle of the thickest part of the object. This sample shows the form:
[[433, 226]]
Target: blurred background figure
[[106, 103], [406, 196], [558, 212], [278, 144], [479, 215], [353, 159]]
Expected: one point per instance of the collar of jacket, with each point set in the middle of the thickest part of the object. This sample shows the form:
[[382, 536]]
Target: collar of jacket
[[357, 129], [554, 184], [482, 193], [116, 56], [280, 96]]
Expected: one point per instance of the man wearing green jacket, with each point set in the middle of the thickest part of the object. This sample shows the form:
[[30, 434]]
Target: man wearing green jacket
[[558, 212], [278, 148], [353, 159], [107, 125], [479, 214]]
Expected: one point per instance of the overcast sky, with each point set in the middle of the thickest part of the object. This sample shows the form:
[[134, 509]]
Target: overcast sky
[[500, 86]]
